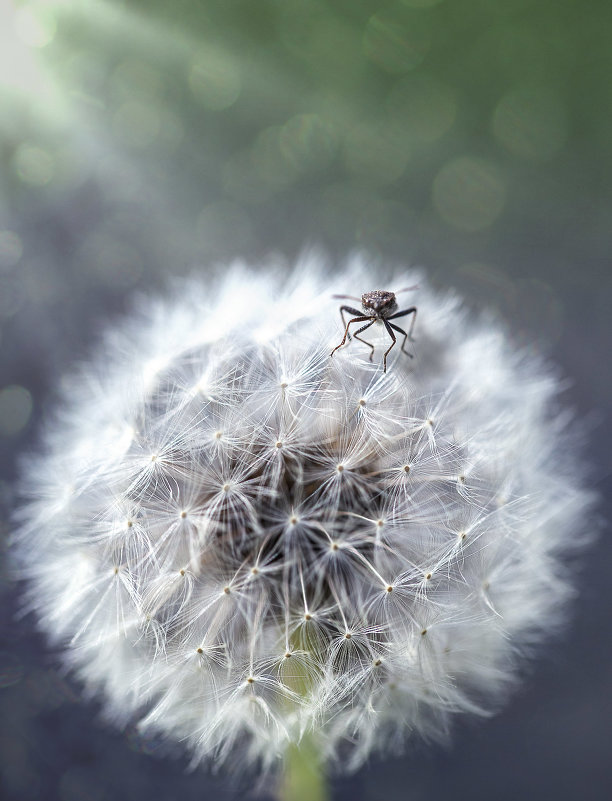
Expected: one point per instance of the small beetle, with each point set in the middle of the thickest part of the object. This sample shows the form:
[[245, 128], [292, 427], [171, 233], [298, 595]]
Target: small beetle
[[379, 305]]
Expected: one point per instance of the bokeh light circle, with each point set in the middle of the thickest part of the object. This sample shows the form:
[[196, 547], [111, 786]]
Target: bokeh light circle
[[215, 79], [531, 122], [424, 106], [397, 42], [11, 250], [15, 409], [376, 152], [469, 193], [34, 165]]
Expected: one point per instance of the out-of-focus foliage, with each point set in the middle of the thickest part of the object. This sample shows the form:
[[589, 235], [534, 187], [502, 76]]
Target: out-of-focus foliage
[[415, 129]]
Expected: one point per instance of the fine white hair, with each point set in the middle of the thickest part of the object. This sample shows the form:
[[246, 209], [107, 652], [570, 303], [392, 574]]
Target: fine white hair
[[239, 540]]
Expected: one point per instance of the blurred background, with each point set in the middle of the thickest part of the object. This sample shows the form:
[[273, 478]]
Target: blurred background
[[141, 139]]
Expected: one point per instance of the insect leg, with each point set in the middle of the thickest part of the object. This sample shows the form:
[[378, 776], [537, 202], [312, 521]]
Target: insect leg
[[369, 344], [393, 337], [412, 310], [354, 320], [350, 311], [401, 331]]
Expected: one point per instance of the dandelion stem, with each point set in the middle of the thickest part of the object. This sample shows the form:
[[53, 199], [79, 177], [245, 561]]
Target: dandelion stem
[[304, 778]]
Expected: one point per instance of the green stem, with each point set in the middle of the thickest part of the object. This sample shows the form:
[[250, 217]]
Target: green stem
[[304, 778]]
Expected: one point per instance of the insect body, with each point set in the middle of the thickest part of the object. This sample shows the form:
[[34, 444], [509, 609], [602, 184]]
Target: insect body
[[377, 306]]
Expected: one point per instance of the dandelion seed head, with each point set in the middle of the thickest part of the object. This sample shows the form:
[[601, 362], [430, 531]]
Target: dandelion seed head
[[238, 539]]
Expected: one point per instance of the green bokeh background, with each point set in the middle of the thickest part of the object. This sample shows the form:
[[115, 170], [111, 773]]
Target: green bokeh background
[[472, 136], [144, 139]]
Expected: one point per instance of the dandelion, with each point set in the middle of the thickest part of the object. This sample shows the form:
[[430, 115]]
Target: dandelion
[[251, 547]]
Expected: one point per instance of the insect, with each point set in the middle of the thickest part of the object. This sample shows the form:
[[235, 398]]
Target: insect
[[377, 306]]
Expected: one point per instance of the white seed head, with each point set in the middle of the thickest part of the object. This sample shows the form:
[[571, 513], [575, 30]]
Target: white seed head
[[239, 539]]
